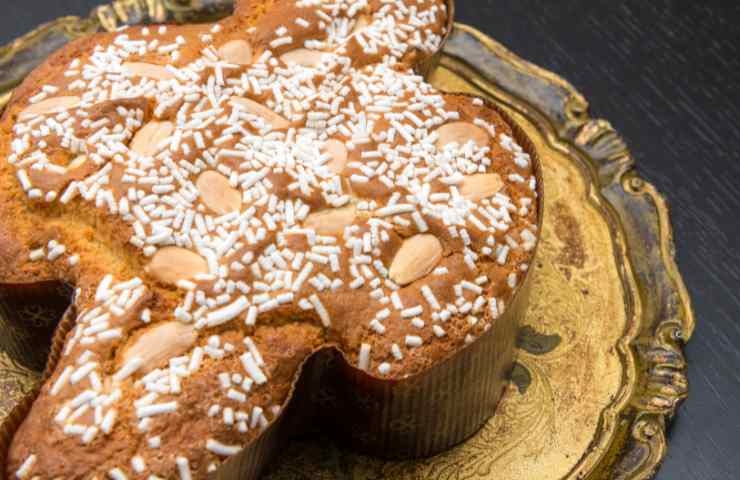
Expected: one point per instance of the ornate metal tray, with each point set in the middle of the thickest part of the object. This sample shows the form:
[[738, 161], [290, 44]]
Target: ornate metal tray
[[600, 370]]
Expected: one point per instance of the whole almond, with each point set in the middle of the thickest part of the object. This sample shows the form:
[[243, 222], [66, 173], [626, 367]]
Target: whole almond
[[338, 153], [417, 257], [480, 186], [250, 106], [50, 105], [303, 57], [238, 52], [148, 137], [461, 133], [217, 193], [147, 70], [160, 343], [331, 222], [171, 264]]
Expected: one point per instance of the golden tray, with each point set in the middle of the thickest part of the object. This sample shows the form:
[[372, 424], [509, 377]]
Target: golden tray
[[600, 367]]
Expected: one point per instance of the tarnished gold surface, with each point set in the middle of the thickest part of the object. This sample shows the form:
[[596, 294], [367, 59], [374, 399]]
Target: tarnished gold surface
[[600, 367]]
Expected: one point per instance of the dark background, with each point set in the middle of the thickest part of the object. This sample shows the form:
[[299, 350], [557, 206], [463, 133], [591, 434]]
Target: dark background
[[666, 73]]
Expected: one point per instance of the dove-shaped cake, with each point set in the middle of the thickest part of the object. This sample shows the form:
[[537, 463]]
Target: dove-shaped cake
[[269, 214]]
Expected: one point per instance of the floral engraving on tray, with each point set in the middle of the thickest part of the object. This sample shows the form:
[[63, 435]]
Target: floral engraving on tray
[[16, 381]]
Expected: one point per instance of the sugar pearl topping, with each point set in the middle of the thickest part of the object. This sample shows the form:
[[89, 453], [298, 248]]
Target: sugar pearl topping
[[301, 171]]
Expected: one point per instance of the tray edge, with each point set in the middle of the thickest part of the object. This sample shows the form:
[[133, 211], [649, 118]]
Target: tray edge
[[658, 346]]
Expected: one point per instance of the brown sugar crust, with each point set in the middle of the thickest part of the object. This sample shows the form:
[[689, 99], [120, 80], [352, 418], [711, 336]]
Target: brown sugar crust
[[106, 193]]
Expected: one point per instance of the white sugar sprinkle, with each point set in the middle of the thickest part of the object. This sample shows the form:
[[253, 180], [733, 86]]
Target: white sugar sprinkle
[[183, 468], [363, 359], [156, 409], [25, 469], [251, 367], [413, 341], [221, 449]]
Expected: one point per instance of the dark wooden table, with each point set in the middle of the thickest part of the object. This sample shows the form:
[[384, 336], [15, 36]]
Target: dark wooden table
[[666, 73]]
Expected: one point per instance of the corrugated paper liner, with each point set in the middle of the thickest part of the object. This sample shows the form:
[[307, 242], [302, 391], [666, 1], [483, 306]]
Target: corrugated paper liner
[[417, 416]]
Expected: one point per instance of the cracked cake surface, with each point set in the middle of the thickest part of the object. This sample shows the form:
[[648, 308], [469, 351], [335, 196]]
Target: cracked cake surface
[[228, 198]]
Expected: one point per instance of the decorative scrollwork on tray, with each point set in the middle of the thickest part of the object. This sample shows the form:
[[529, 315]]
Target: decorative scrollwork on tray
[[666, 383], [130, 12], [660, 347], [667, 321], [138, 12], [15, 382]]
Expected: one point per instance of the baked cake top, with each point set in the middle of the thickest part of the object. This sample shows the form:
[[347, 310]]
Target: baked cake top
[[228, 198]]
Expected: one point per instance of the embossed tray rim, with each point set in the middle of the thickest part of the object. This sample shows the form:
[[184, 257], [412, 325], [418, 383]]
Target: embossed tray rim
[[618, 168]]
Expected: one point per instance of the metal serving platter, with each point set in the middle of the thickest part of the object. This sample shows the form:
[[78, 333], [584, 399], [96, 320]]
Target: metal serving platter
[[600, 368]]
